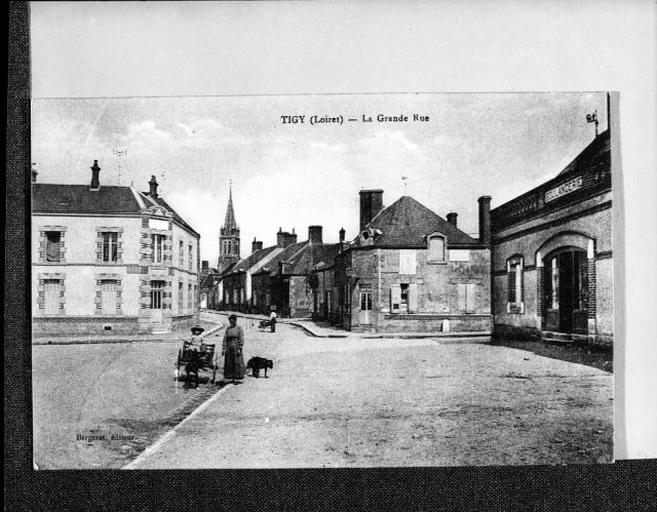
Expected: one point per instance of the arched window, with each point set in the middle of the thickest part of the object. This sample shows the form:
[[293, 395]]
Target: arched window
[[436, 248], [515, 285]]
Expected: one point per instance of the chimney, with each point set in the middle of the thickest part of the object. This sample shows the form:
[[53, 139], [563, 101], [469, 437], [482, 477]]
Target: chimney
[[371, 203], [95, 181], [451, 218], [205, 266], [283, 238], [341, 238], [34, 173], [153, 187], [255, 245], [315, 235], [484, 220]]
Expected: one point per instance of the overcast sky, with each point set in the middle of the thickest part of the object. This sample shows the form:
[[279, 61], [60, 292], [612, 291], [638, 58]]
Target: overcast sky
[[295, 175]]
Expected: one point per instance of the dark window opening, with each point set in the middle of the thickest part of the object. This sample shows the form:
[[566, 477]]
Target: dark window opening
[[53, 246]]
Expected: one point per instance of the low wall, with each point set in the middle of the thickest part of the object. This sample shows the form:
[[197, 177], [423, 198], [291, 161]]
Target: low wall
[[73, 326], [434, 323]]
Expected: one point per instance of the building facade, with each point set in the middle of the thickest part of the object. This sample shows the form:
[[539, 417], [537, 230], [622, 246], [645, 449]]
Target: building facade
[[409, 270], [552, 255], [110, 259]]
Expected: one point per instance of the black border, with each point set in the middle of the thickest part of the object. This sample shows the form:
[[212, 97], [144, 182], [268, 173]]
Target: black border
[[625, 485]]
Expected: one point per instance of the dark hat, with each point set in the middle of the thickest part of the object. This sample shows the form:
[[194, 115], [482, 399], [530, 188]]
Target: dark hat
[[230, 317], [197, 327]]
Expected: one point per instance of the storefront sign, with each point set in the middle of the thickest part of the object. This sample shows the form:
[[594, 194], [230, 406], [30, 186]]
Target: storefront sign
[[563, 189]]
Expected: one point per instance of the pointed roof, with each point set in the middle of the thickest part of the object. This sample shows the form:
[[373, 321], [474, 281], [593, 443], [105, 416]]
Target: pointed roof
[[595, 154], [406, 222], [229, 222]]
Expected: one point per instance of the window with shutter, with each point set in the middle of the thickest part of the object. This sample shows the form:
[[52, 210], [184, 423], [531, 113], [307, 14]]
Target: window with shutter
[[108, 290], [412, 298], [461, 297], [395, 299], [515, 285], [470, 298], [52, 295]]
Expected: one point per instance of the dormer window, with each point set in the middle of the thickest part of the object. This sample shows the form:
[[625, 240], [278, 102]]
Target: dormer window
[[436, 248]]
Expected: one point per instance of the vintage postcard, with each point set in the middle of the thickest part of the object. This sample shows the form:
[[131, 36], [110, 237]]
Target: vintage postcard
[[310, 281]]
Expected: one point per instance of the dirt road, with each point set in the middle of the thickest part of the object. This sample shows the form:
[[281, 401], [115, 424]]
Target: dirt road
[[388, 402]]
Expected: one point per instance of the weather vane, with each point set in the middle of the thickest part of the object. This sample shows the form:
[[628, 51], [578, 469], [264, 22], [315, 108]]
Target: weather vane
[[593, 118], [405, 180]]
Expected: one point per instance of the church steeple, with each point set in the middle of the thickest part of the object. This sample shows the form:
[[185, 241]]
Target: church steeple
[[229, 222], [229, 236]]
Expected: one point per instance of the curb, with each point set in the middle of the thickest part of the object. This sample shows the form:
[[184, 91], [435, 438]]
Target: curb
[[471, 337]]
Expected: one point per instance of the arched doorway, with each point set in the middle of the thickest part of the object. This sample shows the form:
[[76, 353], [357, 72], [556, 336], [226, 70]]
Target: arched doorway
[[566, 290]]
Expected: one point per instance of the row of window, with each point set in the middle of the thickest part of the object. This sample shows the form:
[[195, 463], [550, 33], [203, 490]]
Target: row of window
[[109, 250], [110, 295], [403, 298], [436, 253]]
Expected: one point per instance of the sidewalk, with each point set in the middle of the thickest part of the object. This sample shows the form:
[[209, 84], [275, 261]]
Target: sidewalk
[[91, 339], [324, 331]]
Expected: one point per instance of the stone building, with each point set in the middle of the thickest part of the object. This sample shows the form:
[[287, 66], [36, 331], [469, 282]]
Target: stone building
[[210, 279], [285, 281], [552, 255], [110, 259], [237, 281], [411, 270]]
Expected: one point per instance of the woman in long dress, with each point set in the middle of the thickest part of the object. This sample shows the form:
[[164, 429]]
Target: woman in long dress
[[231, 349]]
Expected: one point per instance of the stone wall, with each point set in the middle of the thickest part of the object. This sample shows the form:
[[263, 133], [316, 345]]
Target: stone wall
[[434, 290]]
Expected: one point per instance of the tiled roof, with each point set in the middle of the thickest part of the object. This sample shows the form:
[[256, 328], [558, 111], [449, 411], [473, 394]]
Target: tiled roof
[[176, 217], [60, 198], [595, 153], [56, 198], [288, 253], [406, 222], [252, 259], [312, 255]]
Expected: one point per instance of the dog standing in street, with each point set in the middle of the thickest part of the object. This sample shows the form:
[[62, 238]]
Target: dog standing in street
[[259, 363]]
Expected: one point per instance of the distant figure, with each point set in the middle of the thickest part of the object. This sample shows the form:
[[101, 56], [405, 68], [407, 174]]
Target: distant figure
[[231, 349], [272, 320]]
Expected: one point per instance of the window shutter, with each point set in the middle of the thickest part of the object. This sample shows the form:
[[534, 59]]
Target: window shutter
[[461, 294], [470, 300], [395, 299], [412, 298], [391, 261], [511, 283]]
